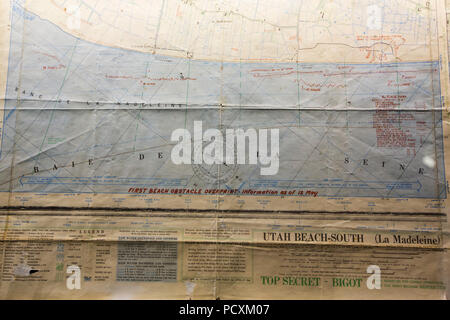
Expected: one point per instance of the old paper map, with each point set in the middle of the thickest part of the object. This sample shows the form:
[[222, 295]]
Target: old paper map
[[203, 149]]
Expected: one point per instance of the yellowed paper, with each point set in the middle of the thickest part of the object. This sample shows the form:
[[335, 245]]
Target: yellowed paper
[[224, 149]]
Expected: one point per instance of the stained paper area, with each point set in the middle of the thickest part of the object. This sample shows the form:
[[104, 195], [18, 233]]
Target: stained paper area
[[354, 95]]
